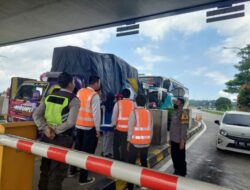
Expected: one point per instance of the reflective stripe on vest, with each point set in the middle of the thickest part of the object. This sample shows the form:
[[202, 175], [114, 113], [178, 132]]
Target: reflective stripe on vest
[[54, 108], [141, 134], [125, 107], [85, 116]]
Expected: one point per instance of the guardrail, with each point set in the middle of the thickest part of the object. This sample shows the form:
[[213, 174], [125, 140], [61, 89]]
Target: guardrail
[[213, 111], [131, 173]]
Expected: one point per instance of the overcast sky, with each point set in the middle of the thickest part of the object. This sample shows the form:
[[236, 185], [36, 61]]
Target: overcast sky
[[183, 47]]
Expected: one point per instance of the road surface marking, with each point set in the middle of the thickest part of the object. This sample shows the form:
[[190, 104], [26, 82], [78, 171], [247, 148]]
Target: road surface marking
[[189, 144]]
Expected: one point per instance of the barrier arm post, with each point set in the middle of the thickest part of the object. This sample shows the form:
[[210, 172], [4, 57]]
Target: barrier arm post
[[126, 172]]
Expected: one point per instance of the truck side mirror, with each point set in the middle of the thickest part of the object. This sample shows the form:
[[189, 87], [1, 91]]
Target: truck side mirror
[[217, 122]]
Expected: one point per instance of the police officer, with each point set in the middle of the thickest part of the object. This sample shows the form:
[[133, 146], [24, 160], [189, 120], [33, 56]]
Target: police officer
[[178, 137], [56, 117]]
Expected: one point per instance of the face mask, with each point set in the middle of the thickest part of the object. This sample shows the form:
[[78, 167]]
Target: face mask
[[175, 106]]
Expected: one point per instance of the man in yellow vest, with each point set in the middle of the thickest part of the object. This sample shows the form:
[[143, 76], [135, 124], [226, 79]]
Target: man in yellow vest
[[120, 117], [56, 117], [140, 131], [88, 123], [178, 137]]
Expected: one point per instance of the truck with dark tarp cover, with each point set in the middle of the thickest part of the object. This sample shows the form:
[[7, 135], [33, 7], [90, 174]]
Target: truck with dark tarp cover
[[115, 74]]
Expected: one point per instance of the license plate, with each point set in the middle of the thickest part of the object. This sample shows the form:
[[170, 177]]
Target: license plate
[[242, 144]]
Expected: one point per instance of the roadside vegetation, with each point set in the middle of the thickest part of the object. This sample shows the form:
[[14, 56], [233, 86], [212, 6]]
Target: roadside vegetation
[[241, 83], [213, 111]]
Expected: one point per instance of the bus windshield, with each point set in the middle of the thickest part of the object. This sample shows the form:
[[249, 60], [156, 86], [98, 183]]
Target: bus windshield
[[152, 81]]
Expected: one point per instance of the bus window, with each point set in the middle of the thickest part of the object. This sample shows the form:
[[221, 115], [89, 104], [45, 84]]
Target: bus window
[[166, 101], [166, 84], [164, 96], [153, 98]]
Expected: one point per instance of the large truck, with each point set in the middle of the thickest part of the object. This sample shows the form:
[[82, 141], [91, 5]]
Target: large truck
[[26, 94], [3, 106], [116, 74]]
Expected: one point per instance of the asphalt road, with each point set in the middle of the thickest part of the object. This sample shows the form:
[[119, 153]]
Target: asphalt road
[[207, 164]]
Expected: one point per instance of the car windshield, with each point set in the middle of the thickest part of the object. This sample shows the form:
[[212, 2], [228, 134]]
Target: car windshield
[[237, 119]]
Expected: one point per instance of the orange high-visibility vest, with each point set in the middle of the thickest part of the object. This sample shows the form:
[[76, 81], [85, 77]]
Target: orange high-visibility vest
[[125, 108], [142, 129], [85, 116]]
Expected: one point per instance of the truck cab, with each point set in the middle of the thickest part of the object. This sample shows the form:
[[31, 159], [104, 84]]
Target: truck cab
[[26, 94]]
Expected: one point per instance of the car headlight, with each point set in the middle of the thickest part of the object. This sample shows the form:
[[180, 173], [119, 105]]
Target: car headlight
[[223, 132]]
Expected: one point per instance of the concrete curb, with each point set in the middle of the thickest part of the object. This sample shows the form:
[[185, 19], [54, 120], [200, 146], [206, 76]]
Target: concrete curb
[[156, 155]]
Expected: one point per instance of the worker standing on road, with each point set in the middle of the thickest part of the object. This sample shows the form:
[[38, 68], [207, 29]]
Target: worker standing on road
[[120, 117], [106, 127], [178, 137], [56, 117], [88, 124], [140, 132]]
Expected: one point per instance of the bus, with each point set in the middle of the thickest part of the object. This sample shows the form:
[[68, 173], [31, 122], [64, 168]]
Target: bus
[[161, 91]]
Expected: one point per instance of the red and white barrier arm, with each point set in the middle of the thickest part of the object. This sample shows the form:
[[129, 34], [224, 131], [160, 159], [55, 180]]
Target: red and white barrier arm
[[126, 172]]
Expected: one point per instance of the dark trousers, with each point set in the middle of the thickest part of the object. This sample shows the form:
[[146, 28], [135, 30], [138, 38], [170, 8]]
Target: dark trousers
[[133, 155], [86, 141], [179, 159], [52, 172], [120, 146]]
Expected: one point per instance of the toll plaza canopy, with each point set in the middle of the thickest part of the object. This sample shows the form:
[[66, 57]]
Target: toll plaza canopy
[[26, 20]]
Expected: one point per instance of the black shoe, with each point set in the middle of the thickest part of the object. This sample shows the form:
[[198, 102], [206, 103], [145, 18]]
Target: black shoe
[[72, 172], [180, 173], [176, 173], [108, 155], [87, 181]]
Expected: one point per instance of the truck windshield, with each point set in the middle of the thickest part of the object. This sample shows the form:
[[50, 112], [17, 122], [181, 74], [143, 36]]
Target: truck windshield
[[31, 92], [237, 119]]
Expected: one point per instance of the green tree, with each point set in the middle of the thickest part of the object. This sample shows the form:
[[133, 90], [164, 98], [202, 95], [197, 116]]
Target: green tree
[[223, 104], [243, 77], [244, 98]]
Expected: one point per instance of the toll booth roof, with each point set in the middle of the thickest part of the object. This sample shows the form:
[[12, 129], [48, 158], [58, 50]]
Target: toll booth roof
[[22, 21]]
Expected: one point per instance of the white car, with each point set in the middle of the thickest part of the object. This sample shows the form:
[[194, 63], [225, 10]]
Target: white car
[[234, 132]]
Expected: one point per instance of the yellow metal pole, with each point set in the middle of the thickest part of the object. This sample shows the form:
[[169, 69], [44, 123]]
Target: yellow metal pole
[[16, 167]]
